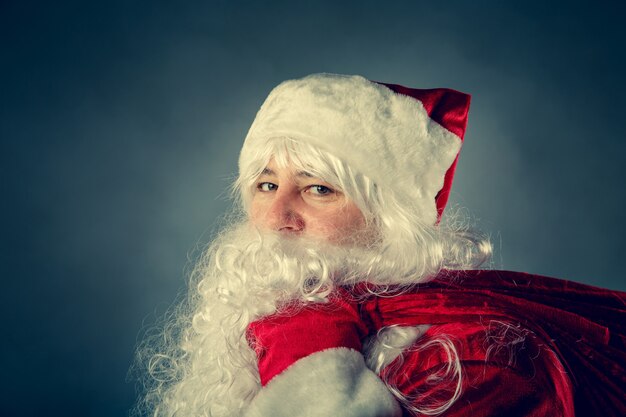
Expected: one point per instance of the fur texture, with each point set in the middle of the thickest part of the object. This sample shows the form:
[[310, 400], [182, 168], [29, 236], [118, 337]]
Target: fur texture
[[323, 383]]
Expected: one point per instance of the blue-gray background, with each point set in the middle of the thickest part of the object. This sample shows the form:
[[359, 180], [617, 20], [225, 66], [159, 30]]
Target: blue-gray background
[[121, 121]]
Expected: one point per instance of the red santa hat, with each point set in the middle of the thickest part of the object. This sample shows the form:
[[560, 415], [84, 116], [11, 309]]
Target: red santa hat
[[404, 139]]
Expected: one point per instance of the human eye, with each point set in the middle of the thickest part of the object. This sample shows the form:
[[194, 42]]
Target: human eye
[[320, 190], [266, 186]]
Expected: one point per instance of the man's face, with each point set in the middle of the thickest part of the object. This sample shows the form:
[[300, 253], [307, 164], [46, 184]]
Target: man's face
[[294, 203]]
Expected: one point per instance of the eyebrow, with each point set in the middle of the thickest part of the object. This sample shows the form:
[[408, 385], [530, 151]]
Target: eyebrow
[[269, 171]]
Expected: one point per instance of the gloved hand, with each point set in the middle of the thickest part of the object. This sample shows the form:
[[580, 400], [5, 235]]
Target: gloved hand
[[310, 363]]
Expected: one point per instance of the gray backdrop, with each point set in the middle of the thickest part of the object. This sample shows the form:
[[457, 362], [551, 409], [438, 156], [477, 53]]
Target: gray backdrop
[[121, 123]]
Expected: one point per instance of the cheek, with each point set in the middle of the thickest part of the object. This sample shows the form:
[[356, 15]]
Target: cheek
[[353, 219], [256, 212], [342, 224]]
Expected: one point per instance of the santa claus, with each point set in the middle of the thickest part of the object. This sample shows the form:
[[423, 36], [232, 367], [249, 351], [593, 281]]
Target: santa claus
[[338, 291]]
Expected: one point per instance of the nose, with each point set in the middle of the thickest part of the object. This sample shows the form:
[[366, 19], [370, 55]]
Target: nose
[[283, 214]]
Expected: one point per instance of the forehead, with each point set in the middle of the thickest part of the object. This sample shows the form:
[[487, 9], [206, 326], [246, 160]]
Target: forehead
[[274, 169]]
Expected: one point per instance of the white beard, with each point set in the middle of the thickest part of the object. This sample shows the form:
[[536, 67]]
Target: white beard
[[207, 367]]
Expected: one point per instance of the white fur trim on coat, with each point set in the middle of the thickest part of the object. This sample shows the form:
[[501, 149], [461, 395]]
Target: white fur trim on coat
[[386, 136], [333, 382]]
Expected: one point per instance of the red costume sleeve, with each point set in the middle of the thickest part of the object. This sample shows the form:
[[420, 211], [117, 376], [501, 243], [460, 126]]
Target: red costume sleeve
[[296, 332]]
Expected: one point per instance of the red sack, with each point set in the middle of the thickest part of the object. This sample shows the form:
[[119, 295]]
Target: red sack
[[569, 353]]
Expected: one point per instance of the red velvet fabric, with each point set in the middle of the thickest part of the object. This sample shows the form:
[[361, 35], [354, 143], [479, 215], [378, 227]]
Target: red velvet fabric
[[570, 358]]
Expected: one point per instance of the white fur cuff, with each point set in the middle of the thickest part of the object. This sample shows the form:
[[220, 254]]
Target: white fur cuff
[[333, 382]]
